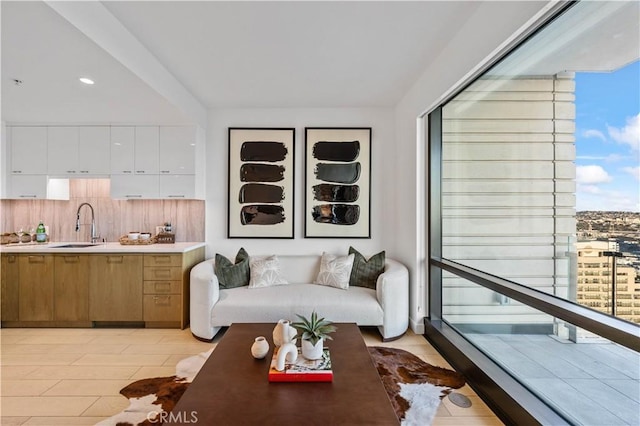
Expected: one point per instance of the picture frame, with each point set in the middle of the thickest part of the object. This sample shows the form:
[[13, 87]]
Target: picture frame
[[337, 182], [261, 185]]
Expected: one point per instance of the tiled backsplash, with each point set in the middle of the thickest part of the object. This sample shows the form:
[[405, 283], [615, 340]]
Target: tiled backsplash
[[114, 218]]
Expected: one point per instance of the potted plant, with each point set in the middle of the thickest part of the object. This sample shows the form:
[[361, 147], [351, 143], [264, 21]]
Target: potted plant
[[314, 332]]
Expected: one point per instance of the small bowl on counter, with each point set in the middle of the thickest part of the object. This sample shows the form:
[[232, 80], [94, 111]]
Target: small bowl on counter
[[133, 235], [145, 235]]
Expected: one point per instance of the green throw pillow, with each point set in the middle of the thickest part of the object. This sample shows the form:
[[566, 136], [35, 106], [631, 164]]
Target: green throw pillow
[[365, 272], [233, 275]]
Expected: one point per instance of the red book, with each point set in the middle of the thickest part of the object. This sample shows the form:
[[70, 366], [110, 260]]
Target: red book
[[303, 370]]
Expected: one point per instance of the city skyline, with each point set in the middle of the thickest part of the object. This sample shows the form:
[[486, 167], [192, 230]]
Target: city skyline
[[608, 140]]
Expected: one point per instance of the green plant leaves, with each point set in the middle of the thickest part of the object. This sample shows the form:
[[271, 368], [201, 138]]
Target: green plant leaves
[[315, 328]]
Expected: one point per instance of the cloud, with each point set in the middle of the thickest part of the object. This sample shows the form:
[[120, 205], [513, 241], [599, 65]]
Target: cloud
[[633, 171], [629, 134], [592, 133], [591, 175], [589, 189], [593, 198], [611, 158]]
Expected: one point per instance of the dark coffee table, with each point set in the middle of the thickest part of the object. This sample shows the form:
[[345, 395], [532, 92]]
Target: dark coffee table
[[232, 388]]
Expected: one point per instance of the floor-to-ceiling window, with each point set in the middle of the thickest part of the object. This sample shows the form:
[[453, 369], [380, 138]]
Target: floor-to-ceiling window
[[510, 271]]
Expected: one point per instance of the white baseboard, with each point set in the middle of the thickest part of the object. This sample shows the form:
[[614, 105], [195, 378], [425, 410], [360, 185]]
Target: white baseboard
[[417, 325]]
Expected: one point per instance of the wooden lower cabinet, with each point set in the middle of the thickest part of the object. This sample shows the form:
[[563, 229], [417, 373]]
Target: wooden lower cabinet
[[36, 287], [80, 290], [71, 288], [116, 287], [10, 291], [163, 290]]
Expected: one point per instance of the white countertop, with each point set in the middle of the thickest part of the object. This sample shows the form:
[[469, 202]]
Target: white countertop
[[100, 248]]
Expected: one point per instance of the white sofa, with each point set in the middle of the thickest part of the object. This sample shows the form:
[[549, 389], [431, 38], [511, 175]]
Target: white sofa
[[386, 307]]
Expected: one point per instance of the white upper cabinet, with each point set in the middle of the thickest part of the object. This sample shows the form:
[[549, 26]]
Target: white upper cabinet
[[146, 149], [134, 187], [78, 151], [123, 139], [94, 150], [27, 186], [177, 186], [62, 150], [177, 150], [28, 149]]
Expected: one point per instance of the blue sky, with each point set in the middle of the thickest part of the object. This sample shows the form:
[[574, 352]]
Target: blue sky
[[608, 140]]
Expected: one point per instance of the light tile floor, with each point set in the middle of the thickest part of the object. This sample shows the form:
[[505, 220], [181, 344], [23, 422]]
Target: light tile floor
[[73, 376]]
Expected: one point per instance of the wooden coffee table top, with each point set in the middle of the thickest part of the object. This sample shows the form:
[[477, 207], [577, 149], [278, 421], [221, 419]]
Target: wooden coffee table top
[[232, 388]]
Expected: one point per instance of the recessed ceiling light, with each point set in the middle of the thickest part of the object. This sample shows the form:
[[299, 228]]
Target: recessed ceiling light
[[86, 80]]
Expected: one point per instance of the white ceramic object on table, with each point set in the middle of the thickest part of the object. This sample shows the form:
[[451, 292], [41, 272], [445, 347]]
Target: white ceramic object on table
[[260, 347], [145, 236], [283, 333], [133, 235], [310, 351], [287, 352]]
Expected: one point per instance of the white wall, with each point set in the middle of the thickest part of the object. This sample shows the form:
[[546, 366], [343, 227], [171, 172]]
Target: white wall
[[383, 188], [478, 37], [398, 186]]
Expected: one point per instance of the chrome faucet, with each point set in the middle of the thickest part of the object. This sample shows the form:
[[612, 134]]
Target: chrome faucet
[[94, 234]]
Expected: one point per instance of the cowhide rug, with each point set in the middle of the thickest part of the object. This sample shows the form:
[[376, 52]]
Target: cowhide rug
[[149, 398], [415, 388]]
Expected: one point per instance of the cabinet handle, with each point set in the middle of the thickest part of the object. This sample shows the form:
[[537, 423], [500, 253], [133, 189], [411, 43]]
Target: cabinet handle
[[133, 196], [28, 196], [115, 259], [140, 171], [84, 171], [165, 171], [162, 273], [162, 287], [126, 171], [36, 259], [162, 259], [16, 171], [71, 171], [162, 300], [175, 196]]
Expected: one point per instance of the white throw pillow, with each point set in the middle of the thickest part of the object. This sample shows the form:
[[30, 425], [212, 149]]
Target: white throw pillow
[[335, 271], [265, 272]]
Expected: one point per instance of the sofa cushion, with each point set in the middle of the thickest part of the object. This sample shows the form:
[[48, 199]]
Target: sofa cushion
[[233, 275], [242, 304], [335, 271], [365, 272], [265, 272]]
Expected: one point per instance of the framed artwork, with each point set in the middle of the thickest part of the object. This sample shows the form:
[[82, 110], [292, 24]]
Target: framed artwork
[[261, 182], [337, 182]]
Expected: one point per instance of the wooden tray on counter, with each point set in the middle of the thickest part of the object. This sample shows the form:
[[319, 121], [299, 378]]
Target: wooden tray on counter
[[125, 241]]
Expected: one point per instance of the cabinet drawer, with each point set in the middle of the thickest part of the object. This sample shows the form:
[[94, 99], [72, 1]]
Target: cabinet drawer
[[158, 273], [162, 260], [164, 307], [162, 287]]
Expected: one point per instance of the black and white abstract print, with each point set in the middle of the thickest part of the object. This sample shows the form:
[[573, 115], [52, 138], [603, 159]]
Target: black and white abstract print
[[261, 183], [338, 182]]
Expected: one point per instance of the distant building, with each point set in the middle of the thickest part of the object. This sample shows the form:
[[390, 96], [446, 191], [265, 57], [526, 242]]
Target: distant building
[[594, 287]]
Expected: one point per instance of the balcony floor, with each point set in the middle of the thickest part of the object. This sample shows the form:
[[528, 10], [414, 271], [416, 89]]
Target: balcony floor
[[588, 383]]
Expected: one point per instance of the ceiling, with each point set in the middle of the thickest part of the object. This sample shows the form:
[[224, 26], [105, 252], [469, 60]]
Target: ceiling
[[222, 54]]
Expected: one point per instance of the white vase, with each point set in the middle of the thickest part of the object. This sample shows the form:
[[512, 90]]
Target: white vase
[[260, 347], [310, 351], [283, 333]]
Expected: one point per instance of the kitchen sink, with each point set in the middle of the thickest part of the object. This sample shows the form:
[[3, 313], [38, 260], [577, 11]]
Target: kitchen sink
[[78, 245]]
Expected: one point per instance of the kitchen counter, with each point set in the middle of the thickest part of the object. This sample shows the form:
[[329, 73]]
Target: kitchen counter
[[108, 284], [101, 248]]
